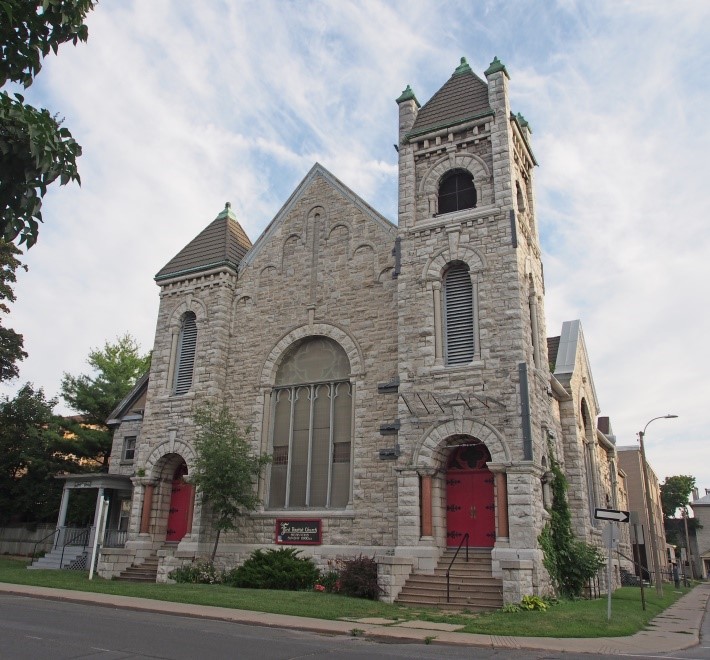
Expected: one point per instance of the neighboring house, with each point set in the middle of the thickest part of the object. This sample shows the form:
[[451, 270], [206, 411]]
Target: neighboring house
[[398, 375], [701, 510], [631, 464]]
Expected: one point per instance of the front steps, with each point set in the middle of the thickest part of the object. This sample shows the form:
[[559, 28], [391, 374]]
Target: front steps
[[75, 558], [147, 571], [470, 587]]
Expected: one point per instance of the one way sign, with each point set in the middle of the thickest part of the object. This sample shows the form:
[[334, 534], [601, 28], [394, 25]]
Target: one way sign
[[611, 514]]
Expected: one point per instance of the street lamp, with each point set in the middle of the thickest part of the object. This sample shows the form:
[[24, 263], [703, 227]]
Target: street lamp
[[649, 508]]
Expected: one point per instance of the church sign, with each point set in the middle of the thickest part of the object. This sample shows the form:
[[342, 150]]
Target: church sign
[[298, 532]]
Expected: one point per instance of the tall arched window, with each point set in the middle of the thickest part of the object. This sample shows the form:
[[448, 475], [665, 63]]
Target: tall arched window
[[458, 315], [457, 192], [311, 429], [185, 359]]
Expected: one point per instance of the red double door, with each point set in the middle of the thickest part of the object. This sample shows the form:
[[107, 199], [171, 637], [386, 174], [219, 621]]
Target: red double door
[[180, 501], [470, 507]]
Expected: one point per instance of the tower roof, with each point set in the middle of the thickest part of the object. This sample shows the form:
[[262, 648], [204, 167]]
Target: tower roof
[[463, 97], [222, 243]]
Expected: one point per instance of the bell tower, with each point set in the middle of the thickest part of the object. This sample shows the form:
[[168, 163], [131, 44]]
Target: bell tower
[[472, 351]]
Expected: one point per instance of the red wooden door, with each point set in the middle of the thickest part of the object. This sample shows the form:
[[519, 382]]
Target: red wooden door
[[470, 508], [179, 507]]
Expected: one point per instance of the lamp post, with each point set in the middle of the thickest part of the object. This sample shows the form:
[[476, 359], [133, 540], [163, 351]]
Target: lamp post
[[649, 508]]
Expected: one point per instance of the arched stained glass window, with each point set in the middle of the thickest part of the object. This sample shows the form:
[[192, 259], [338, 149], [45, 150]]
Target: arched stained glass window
[[311, 429]]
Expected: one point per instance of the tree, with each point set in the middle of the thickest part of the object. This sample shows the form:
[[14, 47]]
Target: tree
[[116, 368], [675, 493], [35, 150], [11, 343], [225, 471], [33, 448]]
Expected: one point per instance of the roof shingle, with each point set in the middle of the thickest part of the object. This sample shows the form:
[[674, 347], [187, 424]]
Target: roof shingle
[[463, 97], [222, 243]]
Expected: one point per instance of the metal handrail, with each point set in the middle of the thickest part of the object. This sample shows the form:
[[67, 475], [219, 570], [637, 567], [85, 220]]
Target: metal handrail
[[44, 538], [456, 554], [76, 536]]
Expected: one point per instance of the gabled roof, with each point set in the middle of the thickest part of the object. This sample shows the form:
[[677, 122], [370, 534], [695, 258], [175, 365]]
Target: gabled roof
[[222, 243], [128, 403], [316, 171], [463, 97], [553, 345], [571, 342], [702, 501]]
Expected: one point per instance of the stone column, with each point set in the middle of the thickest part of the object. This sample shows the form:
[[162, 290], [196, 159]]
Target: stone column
[[408, 521], [438, 327], [190, 508], [426, 503], [502, 504], [147, 508]]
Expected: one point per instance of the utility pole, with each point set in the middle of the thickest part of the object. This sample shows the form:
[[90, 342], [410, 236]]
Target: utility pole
[[657, 578]]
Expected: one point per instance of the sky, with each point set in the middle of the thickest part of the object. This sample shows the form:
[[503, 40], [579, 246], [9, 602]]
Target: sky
[[182, 106]]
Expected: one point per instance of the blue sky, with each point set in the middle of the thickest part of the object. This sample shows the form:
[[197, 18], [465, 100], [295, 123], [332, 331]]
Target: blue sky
[[182, 106]]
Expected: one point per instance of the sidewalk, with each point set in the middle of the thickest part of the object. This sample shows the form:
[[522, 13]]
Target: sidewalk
[[676, 629]]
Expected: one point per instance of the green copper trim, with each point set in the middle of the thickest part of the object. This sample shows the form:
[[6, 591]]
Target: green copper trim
[[462, 68], [449, 124], [227, 213], [523, 122], [408, 95], [495, 67]]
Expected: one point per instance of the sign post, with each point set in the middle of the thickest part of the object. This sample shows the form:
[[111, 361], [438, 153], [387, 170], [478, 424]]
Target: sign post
[[612, 516]]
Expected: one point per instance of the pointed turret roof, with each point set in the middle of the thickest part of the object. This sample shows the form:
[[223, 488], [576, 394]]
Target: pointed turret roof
[[463, 97], [222, 243]]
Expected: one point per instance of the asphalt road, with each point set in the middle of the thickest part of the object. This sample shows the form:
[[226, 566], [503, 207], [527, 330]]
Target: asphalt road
[[32, 628], [37, 629]]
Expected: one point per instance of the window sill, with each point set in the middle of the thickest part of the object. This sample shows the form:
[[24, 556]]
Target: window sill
[[304, 513], [456, 368]]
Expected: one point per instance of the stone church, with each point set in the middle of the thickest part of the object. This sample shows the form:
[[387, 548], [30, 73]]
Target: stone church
[[399, 375]]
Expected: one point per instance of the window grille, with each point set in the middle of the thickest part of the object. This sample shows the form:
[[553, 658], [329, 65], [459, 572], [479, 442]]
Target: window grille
[[457, 192], [458, 315], [311, 428], [186, 354]]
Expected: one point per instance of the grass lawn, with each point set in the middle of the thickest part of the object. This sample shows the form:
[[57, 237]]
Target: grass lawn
[[582, 618]]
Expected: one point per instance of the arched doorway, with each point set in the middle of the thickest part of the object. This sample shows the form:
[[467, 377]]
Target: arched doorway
[[180, 503], [470, 502]]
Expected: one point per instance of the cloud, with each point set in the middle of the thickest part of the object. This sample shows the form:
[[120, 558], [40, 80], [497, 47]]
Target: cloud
[[181, 107]]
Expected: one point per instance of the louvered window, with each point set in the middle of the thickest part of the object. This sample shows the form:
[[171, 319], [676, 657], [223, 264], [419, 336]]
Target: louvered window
[[457, 192], [458, 315], [311, 428], [186, 354]]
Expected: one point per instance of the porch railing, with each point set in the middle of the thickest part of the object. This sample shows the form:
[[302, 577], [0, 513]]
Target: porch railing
[[456, 554], [78, 537], [115, 538]]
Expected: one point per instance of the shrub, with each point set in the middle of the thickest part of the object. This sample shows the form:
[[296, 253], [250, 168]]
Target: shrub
[[199, 572], [569, 561], [358, 577], [530, 603], [275, 569], [330, 581]]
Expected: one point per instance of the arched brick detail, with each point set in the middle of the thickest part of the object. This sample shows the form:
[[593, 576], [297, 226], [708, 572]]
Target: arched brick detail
[[191, 305], [428, 452], [482, 178], [350, 346], [436, 265], [178, 447]]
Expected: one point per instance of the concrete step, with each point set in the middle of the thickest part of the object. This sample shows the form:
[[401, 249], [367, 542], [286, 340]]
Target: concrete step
[[471, 585], [52, 559], [146, 571]]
